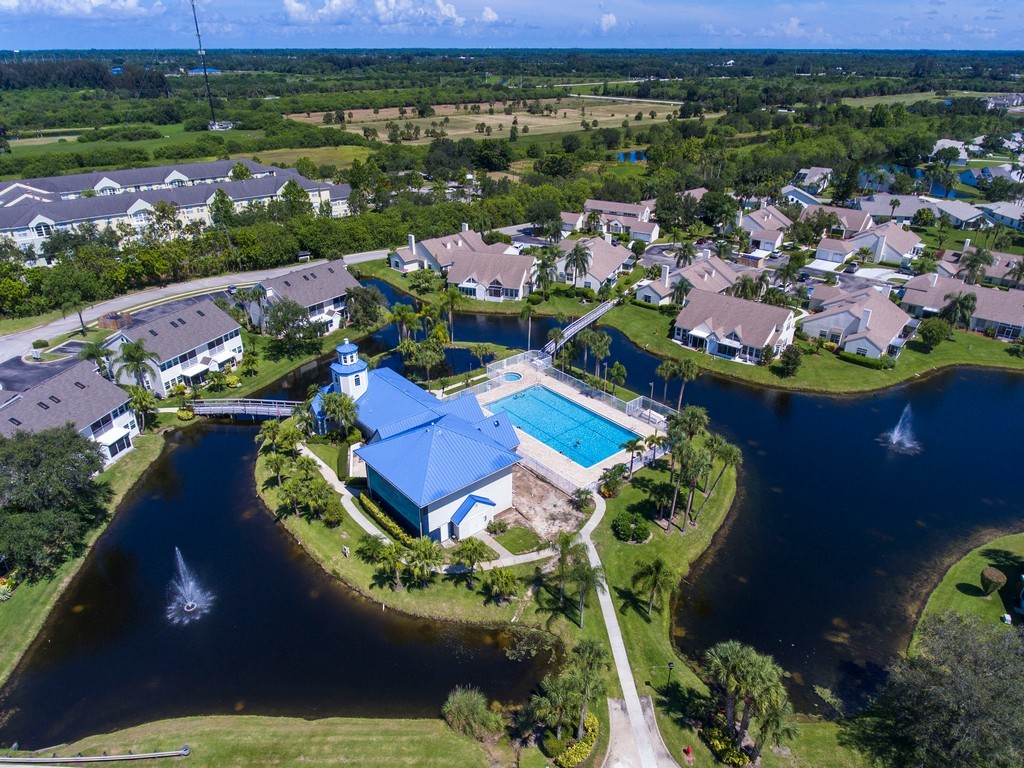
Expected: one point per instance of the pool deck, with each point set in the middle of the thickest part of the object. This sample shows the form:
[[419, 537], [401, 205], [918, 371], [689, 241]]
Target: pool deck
[[546, 455]]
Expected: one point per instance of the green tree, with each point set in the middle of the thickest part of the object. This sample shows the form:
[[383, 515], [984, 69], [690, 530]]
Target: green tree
[[470, 553], [730, 456], [142, 402], [680, 290], [600, 345], [250, 361], [391, 563], [559, 696], [501, 584], [789, 361], [577, 262], [685, 370], [666, 370], [569, 550], [973, 264], [240, 172], [216, 380], [617, 376], [293, 493], [341, 409], [95, 352], [289, 322], [134, 359], [423, 557], [586, 578], [933, 331], [364, 305], [636, 448], [269, 436], [295, 200], [657, 577], [959, 309], [277, 463], [589, 660], [482, 351], [685, 254], [406, 318]]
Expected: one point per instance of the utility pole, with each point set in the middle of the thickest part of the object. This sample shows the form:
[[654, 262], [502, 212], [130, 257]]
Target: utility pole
[[202, 58]]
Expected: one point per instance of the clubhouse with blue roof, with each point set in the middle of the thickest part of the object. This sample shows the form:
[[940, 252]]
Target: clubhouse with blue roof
[[442, 468]]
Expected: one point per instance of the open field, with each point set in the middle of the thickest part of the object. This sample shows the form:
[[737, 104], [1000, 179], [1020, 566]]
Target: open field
[[342, 157], [567, 117], [911, 98], [223, 741]]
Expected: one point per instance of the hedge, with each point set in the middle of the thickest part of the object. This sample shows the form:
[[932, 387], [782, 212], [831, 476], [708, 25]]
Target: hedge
[[644, 304], [581, 750], [341, 470], [393, 529], [721, 746], [883, 363]]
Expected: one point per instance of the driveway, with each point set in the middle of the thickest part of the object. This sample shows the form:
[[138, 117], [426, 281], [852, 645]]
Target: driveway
[[17, 375]]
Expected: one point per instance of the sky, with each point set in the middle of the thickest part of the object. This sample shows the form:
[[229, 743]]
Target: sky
[[907, 24]]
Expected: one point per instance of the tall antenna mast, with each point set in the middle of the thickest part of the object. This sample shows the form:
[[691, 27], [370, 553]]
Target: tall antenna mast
[[202, 58]]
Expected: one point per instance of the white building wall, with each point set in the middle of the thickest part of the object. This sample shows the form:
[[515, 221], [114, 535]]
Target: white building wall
[[122, 422], [497, 488]]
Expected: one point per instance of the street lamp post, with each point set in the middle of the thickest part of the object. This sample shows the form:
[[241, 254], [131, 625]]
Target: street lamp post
[[671, 666]]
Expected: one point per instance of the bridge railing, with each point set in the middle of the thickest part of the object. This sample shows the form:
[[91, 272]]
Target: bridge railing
[[578, 325], [245, 406]]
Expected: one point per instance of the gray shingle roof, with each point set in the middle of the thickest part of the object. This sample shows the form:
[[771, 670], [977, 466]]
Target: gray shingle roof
[[754, 323], [510, 270], [311, 285], [203, 322], [78, 395]]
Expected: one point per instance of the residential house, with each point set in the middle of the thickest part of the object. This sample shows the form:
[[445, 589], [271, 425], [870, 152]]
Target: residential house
[[321, 289], [96, 407], [959, 146], [697, 193], [656, 292], [820, 293], [864, 323], [607, 260], [732, 328], [796, 196], [766, 218], [188, 343], [890, 242], [491, 276], [995, 275], [851, 221], [641, 211], [766, 239], [630, 219], [710, 274], [435, 253], [962, 215], [443, 469], [879, 205], [834, 250], [813, 179], [877, 180], [1008, 214], [1001, 311]]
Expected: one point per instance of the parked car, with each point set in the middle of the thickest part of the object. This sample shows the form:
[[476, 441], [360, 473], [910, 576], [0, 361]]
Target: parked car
[[804, 277], [232, 289], [852, 267]]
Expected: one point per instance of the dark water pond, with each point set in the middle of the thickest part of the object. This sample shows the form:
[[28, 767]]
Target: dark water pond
[[282, 638]]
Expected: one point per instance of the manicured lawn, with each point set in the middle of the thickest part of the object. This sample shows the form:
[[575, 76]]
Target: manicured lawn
[[240, 740], [342, 157], [23, 615], [955, 238], [328, 453], [818, 373], [960, 589], [519, 539], [16, 324]]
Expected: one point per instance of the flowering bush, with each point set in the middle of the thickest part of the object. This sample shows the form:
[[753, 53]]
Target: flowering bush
[[186, 414], [380, 517], [580, 751], [722, 746]]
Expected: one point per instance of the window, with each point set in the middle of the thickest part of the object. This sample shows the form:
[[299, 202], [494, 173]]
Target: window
[[53, 399], [152, 332], [862, 351], [121, 445], [200, 313], [647, 298], [80, 385], [357, 380], [14, 421], [43, 405], [822, 333], [43, 230], [834, 337]]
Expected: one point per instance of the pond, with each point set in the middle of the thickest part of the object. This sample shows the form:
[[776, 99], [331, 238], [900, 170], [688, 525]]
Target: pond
[[281, 637]]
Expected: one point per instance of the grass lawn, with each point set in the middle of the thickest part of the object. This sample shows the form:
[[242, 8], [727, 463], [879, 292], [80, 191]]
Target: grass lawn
[[23, 615], [818, 373], [17, 324], [519, 539], [342, 157], [960, 589], [955, 238], [328, 453], [274, 741]]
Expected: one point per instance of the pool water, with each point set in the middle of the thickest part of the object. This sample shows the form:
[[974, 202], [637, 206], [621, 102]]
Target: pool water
[[576, 432], [512, 376]]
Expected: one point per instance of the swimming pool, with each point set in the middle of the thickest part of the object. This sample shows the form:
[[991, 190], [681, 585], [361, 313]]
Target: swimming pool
[[576, 432], [512, 376]]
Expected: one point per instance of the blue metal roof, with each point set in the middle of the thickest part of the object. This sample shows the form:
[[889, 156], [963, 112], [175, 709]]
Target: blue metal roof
[[464, 508], [499, 428], [390, 397], [345, 370], [436, 460], [346, 349]]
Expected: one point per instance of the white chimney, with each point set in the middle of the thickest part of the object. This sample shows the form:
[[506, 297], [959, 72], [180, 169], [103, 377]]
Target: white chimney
[[465, 227], [934, 278], [412, 244], [865, 320], [714, 271], [664, 274]]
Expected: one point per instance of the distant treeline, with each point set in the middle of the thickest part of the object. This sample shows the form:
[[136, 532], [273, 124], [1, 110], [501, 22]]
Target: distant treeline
[[81, 74]]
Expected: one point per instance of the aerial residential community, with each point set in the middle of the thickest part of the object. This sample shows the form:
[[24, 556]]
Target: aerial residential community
[[462, 406]]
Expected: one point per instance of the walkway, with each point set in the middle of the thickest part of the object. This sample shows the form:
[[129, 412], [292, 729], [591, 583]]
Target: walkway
[[641, 734], [578, 325]]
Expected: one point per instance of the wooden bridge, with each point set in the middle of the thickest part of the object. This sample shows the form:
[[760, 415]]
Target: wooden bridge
[[250, 407]]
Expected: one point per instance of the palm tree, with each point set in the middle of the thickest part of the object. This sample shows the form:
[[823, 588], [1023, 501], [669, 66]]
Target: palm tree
[[894, 203], [450, 301], [216, 380], [787, 273], [75, 304], [657, 576], [501, 584], [341, 409], [405, 317], [289, 438], [471, 553], [577, 261], [250, 361], [424, 556], [307, 467], [666, 370], [680, 290], [723, 249], [589, 660], [371, 547], [318, 496], [558, 696], [686, 370], [142, 402], [731, 456], [973, 263], [527, 315], [293, 492], [774, 725], [685, 254], [587, 577], [570, 550], [95, 352], [745, 287], [775, 297], [617, 375], [959, 308], [547, 270], [726, 663], [134, 359], [761, 680], [600, 345], [594, 222], [1016, 271], [391, 562], [696, 468], [269, 436], [277, 463], [635, 448]]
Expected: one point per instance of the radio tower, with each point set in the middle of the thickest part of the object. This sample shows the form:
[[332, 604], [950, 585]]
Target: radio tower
[[206, 76]]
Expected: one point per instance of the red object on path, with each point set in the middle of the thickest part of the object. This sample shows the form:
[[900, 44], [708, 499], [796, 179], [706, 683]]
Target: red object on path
[[688, 754]]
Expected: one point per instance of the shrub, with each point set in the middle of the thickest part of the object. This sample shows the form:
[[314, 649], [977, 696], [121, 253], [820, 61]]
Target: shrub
[[992, 579], [581, 750], [551, 746], [535, 298], [586, 293], [767, 355], [233, 381], [789, 361], [334, 513], [933, 332], [644, 305], [341, 470], [722, 746], [630, 526], [466, 711], [882, 363], [40, 344], [186, 414], [393, 529], [496, 527], [831, 346]]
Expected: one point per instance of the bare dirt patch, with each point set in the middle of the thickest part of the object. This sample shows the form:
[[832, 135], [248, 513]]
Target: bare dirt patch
[[540, 506]]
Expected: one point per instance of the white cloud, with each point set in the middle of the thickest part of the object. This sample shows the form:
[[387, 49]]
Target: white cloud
[[488, 16], [794, 29], [83, 8], [386, 13], [712, 31], [607, 22]]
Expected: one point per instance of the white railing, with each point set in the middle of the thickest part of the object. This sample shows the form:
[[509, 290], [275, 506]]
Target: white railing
[[644, 408], [578, 325], [533, 357]]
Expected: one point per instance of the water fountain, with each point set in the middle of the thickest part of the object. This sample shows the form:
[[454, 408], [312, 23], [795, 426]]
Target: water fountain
[[189, 601], [901, 439]]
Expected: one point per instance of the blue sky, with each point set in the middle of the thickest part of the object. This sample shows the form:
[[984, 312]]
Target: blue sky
[[914, 24]]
